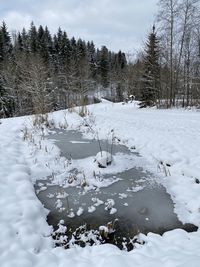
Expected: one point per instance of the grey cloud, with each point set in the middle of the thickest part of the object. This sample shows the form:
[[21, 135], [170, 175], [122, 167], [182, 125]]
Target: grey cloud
[[119, 24]]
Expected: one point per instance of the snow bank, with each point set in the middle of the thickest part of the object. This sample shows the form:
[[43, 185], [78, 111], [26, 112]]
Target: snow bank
[[168, 140], [171, 137], [24, 231]]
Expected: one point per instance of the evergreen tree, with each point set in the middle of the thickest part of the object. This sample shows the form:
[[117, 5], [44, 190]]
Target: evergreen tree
[[118, 68], [150, 80], [59, 43], [92, 59], [6, 101], [41, 72], [104, 66], [44, 43], [73, 47], [62, 50], [1, 46], [73, 58], [48, 39], [5, 58], [65, 50], [84, 82], [41, 40], [5, 42], [25, 40], [33, 39], [19, 42]]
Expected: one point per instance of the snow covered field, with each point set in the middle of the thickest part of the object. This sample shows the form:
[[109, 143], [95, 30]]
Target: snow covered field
[[167, 140]]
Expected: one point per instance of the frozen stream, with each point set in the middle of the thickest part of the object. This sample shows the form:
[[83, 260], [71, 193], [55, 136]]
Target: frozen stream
[[136, 200]]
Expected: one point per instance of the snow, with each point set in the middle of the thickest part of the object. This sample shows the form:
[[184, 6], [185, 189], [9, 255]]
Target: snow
[[136, 188], [97, 201], [109, 204], [168, 142], [80, 211], [59, 204], [71, 214], [113, 210], [122, 195], [91, 209], [79, 142], [103, 159], [62, 195]]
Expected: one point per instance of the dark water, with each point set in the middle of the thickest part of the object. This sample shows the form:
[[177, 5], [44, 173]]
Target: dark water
[[138, 202]]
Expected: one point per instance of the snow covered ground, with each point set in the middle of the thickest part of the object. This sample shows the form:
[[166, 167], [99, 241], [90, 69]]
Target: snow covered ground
[[167, 140]]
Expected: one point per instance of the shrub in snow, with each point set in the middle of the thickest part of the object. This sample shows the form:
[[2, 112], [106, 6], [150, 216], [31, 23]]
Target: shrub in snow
[[109, 206], [103, 159], [71, 214], [97, 202], [42, 120], [107, 232], [164, 167], [84, 237], [59, 235]]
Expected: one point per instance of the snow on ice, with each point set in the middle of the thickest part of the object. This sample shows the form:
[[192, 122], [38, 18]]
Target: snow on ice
[[167, 140]]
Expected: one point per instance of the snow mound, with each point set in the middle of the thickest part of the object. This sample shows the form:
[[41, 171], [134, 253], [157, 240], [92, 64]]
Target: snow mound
[[103, 159]]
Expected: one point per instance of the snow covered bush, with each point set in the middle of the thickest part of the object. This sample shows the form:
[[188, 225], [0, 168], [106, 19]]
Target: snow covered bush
[[103, 159], [40, 120]]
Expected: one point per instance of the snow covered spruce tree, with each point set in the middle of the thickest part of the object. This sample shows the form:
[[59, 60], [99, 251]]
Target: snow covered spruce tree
[[6, 102], [151, 77]]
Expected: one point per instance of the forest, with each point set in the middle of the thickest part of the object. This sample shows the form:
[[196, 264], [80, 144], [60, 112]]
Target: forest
[[41, 72]]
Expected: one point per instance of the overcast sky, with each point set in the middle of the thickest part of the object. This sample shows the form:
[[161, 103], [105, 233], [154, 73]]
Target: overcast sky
[[118, 24]]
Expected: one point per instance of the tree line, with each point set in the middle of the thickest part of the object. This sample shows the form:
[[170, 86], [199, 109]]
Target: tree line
[[41, 72], [171, 60]]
